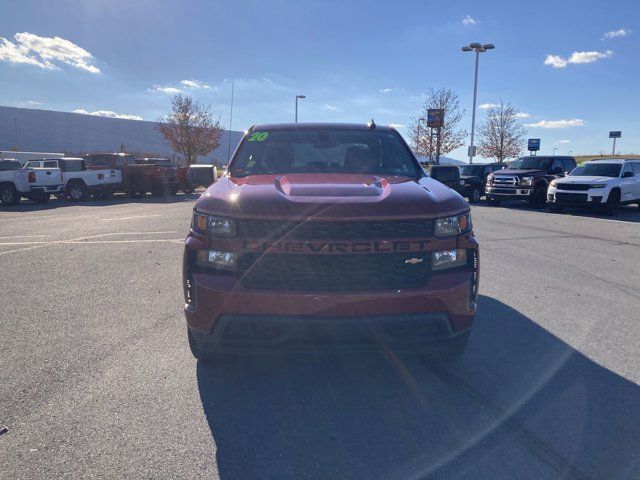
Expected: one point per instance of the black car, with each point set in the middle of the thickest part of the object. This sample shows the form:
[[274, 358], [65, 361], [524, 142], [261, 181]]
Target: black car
[[470, 174], [468, 186]]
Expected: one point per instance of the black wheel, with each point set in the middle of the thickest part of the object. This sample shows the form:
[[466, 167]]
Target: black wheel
[[9, 195], [188, 190], [200, 353], [157, 191], [474, 196], [39, 197], [173, 190], [493, 201], [77, 191], [555, 208], [539, 197], [613, 203]]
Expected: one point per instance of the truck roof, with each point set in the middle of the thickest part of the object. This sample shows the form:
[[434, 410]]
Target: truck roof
[[319, 125]]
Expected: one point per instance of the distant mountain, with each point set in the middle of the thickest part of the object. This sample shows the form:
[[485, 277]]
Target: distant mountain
[[34, 130]]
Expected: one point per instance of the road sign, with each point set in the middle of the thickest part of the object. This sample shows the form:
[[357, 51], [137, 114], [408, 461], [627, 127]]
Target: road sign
[[615, 134], [533, 145], [472, 151], [435, 117]]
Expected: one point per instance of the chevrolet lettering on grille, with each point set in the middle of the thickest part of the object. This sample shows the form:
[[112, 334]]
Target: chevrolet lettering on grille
[[336, 247]]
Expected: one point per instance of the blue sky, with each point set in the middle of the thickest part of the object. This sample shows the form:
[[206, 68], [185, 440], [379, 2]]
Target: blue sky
[[353, 60]]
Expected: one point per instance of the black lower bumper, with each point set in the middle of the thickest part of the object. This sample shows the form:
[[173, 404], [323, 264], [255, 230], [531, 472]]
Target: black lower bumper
[[260, 334]]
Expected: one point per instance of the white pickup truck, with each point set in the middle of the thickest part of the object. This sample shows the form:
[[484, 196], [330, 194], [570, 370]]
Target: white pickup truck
[[78, 182], [37, 184]]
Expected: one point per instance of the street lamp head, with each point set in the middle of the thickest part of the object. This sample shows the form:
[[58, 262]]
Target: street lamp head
[[301, 96], [475, 45], [488, 46], [467, 49]]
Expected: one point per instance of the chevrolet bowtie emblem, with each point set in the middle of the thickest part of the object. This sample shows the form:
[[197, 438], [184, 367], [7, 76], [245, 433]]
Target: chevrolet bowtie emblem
[[413, 261]]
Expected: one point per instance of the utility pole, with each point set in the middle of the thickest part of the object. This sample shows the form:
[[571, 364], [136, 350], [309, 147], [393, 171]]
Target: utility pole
[[230, 120], [478, 48]]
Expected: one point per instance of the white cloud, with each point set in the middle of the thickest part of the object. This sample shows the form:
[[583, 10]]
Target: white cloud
[[108, 113], [33, 102], [330, 107], [622, 32], [575, 122], [487, 106], [556, 61], [167, 90], [468, 20], [46, 52], [397, 125], [385, 90], [522, 115], [194, 84], [562, 141]]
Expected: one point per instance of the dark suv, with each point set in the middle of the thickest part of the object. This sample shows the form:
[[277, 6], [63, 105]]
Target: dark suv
[[527, 178], [471, 174]]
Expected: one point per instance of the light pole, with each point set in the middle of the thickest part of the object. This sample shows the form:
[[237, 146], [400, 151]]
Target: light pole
[[478, 48], [570, 152], [554, 151], [297, 97]]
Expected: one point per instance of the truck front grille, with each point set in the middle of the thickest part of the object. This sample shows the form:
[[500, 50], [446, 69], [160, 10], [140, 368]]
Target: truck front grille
[[505, 181], [345, 272], [260, 229]]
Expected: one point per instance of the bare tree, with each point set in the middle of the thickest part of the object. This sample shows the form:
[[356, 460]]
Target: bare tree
[[501, 136], [190, 128], [423, 142]]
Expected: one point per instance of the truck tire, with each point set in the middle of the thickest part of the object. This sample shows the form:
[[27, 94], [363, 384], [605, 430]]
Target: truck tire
[[538, 197], [188, 189], [39, 197], [475, 195], [157, 191], [173, 190], [199, 353], [77, 191], [613, 203], [9, 195]]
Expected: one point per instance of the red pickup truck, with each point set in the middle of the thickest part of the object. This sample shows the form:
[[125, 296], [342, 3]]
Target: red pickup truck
[[136, 179], [329, 234]]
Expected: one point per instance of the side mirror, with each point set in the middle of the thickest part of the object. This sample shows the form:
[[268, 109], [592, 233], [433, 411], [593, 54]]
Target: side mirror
[[627, 174]]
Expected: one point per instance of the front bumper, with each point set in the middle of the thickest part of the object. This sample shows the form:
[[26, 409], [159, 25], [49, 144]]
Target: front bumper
[[214, 300], [509, 193], [47, 189], [589, 198]]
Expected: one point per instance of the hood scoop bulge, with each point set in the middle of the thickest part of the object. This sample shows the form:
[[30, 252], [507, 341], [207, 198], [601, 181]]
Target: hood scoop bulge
[[370, 187]]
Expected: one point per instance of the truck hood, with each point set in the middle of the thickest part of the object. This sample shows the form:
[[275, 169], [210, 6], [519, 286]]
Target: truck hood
[[330, 196], [470, 177], [584, 179], [519, 173]]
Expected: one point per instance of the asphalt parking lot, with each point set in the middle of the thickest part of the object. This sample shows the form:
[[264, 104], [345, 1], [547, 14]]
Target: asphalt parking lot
[[97, 380]]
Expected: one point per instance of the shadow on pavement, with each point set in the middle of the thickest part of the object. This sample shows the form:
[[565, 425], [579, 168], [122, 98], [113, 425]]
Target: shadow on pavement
[[521, 403], [118, 199]]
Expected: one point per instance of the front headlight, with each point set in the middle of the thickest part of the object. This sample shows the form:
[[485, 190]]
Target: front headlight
[[447, 226], [490, 179], [553, 183], [526, 181], [214, 225], [597, 185]]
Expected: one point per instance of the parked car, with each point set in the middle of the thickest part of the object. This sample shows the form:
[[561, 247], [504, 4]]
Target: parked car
[[136, 179], [604, 184], [527, 178], [201, 175], [470, 187], [78, 182], [328, 233], [170, 171], [41, 181], [471, 173]]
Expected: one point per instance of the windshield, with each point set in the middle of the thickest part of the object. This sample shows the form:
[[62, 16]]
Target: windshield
[[10, 165], [161, 162], [324, 151], [530, 163], [475, 170], [597, 170]]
